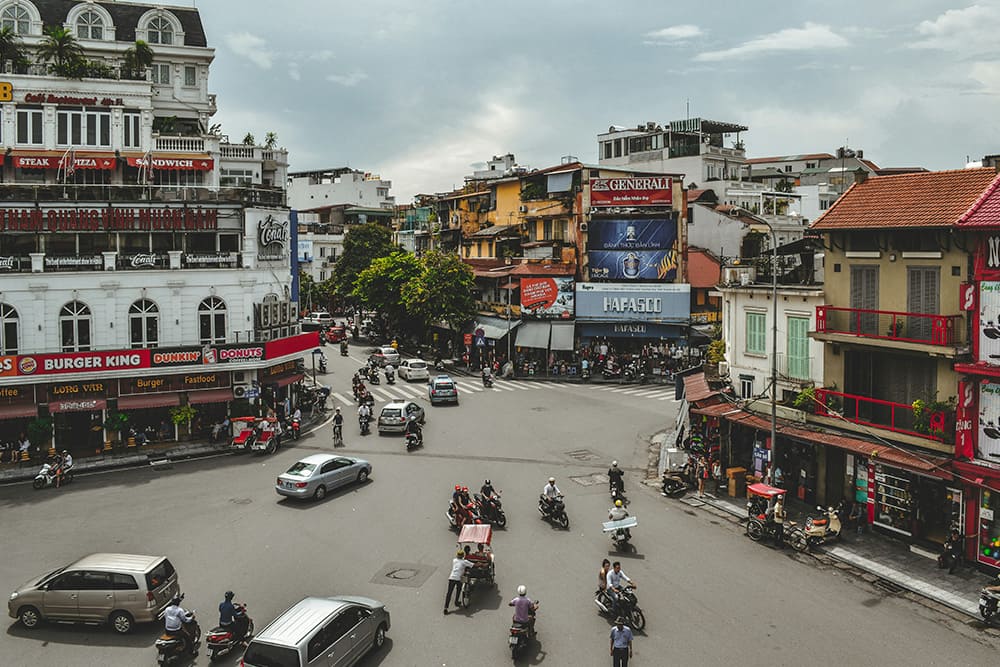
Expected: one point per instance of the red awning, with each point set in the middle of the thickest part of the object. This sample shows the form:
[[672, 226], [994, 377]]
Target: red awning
[[696, 388], [78, 405], [210, 396], [37, 161], [143, 401], [15, 410], [186, 163], [285, 381]]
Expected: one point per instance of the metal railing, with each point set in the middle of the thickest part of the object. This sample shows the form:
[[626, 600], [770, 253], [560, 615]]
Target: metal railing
[[257, 194], [895, 417], [891, 325]]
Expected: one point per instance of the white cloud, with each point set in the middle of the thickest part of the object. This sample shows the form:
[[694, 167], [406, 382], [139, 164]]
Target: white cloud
[[251, 47], [321, 56], [674, 34], [973, 28], [810, 37], [349, 80], [293, 71]]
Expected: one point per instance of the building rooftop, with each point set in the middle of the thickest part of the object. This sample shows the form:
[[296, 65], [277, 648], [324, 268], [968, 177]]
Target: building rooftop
[[704, 268], [928, 199], [985, 211], [790, 158], [126, 17]]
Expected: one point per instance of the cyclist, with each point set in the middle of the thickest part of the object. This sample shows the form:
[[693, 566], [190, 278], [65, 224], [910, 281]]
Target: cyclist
[[338, 427]]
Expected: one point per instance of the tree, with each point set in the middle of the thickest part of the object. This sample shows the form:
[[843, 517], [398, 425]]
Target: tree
[[443, 291], [137, 59], [380, 287], [11, 48], [362, 245], [249, 140], [270, 140], [61, 48]]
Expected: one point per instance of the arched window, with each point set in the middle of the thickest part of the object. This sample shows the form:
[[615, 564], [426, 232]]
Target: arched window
[[17, 19], [90, 25], [144, 324], [212, 320], [159, 30], [74, 326], [8, 329]]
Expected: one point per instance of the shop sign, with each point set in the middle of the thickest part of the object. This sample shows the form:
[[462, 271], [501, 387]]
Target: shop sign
[[109, 219], [985, 514], [237, 353], [176, 356], [78, 362], [144, 385], [272, 237], [987, 261], [667, 303], [143, 260], [67, 100], [633, 264], [59, 262], [631, 234], [651, 330], [967, 296], [989, 323], [8, 366], [84, 405], [205, 380], [965, 414], [281, 369], [176, 164], [632, 191], [17, 394], [989, 422], [214, 259], [547, 297]]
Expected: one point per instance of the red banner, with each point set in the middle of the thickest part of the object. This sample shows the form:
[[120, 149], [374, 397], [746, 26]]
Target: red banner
[[177, 164], [282, 347], [50, 162], [632, 191], [965, 421]]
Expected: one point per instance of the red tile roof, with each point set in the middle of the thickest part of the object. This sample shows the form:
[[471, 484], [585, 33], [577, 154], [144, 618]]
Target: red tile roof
[[696, 388], [704, 269], [698, 193], [930, 199], [985, 211]]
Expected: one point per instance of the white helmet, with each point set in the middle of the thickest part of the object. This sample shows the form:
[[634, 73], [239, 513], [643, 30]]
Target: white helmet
[[614, 464], [522, 590], [552, 480]]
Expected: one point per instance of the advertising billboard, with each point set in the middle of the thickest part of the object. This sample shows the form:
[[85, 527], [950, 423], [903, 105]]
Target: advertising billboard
[[631, 191], [547, 297], [633, 264], [625, 234], [989, 422], [989, 322], [666, 303], [305, 250]]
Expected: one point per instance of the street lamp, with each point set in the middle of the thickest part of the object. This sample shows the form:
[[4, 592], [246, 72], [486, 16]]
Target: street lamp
[[760, 227], [315, 352]]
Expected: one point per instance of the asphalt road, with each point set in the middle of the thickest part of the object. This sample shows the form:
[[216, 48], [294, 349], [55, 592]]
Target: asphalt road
[[710, 595]]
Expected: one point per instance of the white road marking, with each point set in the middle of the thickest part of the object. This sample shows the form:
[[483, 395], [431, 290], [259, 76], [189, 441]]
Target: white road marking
[[342, 399], [378, 391]]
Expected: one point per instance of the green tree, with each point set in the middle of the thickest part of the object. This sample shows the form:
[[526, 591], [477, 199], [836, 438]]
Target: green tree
[[249, 140], [11, 48], [270, 140], [136, 60], [443, 291], [380, 287], [362, 245], [59, 46]]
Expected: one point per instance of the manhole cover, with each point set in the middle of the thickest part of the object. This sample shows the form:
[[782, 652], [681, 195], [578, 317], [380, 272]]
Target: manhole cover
[[402, 573], [583, 455], [241, 501], [590, 480], [410, 575]]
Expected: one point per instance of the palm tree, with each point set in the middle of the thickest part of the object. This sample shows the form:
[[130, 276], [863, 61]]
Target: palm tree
[[60, 46], [137, 59], [11, 48], [249, 140], [270, 140]]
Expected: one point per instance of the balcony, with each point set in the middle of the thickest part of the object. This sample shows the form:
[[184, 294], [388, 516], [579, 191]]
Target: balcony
[[253, 194], [180, 144], [920, 332], [896, 417]]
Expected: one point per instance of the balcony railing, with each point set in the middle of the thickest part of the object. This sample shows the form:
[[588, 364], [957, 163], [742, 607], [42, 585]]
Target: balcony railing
[[256, 194], [895, 417], [180, 144], [891, 325]]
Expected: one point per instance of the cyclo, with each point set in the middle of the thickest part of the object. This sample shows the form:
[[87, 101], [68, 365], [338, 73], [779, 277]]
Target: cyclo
[[247, 434], [760, 512], [473, 535]]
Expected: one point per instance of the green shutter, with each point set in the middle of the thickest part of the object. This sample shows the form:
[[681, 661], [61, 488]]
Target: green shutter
[[756, 333], [798, 348]]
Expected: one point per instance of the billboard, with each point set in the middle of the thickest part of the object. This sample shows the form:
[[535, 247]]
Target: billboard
[[989, 422], [547, 297], [668, 303], [625, 234], [633, 264], [305, 250], [631, 191], [989, 322]]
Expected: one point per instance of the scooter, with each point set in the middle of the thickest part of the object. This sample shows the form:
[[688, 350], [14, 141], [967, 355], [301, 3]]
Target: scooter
[[373, 377], [627, 606], [322, 364], [47, 476], [221, 640], [413, 441], [585, 374], [170, 646], [989, 602], [474, 516], [521, 634], [491, 509], [488, 381], [363, 423], [817, 531], [554, 510], [390, 377], [295, 426]]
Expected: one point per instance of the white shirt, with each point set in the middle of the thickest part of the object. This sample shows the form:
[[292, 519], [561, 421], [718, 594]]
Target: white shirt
[[458, 567], [615, 579], [67, 461], [618, 513], [364, 410], [297, 414], [174, 617], [551, 491]]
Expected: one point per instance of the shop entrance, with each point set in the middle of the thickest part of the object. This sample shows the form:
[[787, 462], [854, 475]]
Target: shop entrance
[[82, 433], [934, 510]]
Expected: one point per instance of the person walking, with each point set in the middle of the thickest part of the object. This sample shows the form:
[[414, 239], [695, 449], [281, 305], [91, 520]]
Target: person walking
[[779, 522], [458, 567], [621, 643]]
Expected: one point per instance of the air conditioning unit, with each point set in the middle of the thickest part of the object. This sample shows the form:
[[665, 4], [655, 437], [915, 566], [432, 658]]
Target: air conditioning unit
[[583, 226], [723, 369], [240, 390], [522, 209]]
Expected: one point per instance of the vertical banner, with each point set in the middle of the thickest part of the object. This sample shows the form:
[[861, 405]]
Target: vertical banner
[[965, 415]]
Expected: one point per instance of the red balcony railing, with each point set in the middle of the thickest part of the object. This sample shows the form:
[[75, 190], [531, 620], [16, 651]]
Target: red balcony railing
[[896, 417], [890, 325]]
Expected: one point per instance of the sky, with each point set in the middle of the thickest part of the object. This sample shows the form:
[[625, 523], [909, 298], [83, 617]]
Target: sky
[[424, 92]]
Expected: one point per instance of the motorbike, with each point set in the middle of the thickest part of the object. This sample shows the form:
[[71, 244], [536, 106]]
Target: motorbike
[[322, 364], [817, 531], [343, 348], [413, 441], [364, 424], [617, 490], [521, 634], [585, 373], [491, 509], [170, 646], [675, 473], [628, 607], [293, 425], [474, 516], [611, 372], [554, 510], [390, 377], [620, 531], [373, 377], [989, 601], [47, 476], [221, 640], [439, 365], [488, 381]]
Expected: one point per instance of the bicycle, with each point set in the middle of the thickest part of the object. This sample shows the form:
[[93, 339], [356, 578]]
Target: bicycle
[[338, 435]]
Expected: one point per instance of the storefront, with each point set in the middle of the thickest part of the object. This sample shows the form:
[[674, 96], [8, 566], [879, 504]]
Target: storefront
[[147, 402], [281, 383], [77, 413], [17, 409]]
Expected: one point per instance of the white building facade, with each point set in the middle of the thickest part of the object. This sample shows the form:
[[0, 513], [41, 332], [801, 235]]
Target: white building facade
[[309, 190]]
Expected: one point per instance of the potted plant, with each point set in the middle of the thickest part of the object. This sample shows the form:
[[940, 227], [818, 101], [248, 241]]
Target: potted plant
[[40, 432], [116, 422], [182, 416]]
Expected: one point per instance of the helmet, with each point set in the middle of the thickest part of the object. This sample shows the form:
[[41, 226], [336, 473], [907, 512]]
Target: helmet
[[230, 595], [522, 590], [614, 464], [618, 503], [176, 600], [460, 553], [338, 409], [465, 489], [458, 487], [552, 480], [488, 483], [413, 418]]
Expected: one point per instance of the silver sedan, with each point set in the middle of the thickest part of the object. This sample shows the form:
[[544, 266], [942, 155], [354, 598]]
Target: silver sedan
[[315, 475]]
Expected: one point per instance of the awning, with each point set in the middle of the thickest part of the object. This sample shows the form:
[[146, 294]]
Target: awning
[[15, 410], [562, 336], [285, 381], [210, 396], [174, 162], [696, 388], [511, 284], [494, 327], [78, 405], [534, 334], [59, 160], [145, 401]]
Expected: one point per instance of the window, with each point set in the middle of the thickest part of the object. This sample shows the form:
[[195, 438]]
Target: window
[[546, 230], [618, 147], [824, 204], [74, 326], [131, 138], [212, 320], [160, 574], [810, 165], [322, 251], [788, 168], [90, 25], [8, 329], [143, 324], [607, 150], [16, 18], [123, 582], [159, 31], [70, 581], [190, 75], [95, 581], [75, 127], [29, 126], [756, 335], [798, 348], [746, 386], [322, 276], [161, 73]]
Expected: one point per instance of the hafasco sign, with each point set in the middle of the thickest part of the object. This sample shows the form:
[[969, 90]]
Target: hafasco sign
[[667, 303], [632, 191], [631, 304], [108, 219], [272, 235]]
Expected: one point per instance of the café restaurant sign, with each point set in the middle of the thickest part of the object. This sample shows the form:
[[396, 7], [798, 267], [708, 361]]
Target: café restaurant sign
[[632, 191], [109, 219]]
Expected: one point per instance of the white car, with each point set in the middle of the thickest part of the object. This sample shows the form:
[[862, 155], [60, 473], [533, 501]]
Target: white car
[[318, 318], [386, 355], [414, 369]]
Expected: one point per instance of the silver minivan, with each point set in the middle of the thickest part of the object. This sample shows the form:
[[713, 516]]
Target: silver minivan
[[332, 632], [118, 589]]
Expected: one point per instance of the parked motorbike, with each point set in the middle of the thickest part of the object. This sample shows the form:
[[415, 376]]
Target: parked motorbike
[[413, 441], [221, 640], [47, 476], [585, 374], [322, 364], [170, 646], [293, 425], [491, 509], [628, 607], [989, 602], [554, 511], [611, 372], [817, 531], [364, 423], [521, 634]]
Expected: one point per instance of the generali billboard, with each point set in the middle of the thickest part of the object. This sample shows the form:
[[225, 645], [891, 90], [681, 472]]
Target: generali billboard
[[631, 191]]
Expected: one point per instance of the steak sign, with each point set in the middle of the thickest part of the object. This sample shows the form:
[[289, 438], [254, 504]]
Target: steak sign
[[632, 191]]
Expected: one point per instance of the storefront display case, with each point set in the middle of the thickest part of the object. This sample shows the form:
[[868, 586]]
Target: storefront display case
[[893, 500]]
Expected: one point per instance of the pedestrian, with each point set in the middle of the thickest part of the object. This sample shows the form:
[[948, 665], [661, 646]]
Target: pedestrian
[[621, 643], [702, 475], [458, 566], [779, 522]]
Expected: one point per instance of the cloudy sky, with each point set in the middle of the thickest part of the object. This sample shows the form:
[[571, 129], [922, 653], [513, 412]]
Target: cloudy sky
[[421, 91]]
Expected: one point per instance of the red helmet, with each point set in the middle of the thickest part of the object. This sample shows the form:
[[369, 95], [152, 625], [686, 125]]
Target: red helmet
[[458, 487], [465, 488]]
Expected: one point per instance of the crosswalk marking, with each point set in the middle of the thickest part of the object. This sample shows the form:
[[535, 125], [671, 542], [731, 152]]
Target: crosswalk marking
[[340, 398]]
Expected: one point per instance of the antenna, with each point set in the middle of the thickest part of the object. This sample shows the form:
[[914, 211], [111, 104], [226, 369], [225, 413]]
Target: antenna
[[687, 108]]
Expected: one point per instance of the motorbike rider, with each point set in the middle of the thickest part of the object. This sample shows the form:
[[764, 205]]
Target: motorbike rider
[[524, 609], [413, 426], [616, 478], [487, 490], [463, 507], [615, 583], [617, 513], [390, 372], [602, 576], [487, 374], [364, 413], [550, 491], [176, 620], [63, 463], [778, 517], [229, 620]]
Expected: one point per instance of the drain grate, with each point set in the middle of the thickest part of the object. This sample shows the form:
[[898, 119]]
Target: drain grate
[[409, 575], [241, 501], [590, 480], [583, 455], [887, 586]]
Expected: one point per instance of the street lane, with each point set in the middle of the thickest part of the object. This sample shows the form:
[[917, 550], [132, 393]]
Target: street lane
[[710, 595]]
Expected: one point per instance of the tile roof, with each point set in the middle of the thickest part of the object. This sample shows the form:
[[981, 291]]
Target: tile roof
[[696, 388], [534, 269], [126, 17], [985, 211], [928, 199], [704, 269]]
